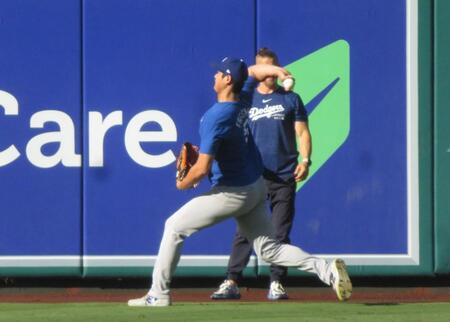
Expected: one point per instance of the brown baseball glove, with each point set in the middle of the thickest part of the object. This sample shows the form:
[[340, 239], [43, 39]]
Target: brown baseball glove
[[186, 159]]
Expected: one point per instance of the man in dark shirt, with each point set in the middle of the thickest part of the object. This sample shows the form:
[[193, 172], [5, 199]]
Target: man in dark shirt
[[276, 118]]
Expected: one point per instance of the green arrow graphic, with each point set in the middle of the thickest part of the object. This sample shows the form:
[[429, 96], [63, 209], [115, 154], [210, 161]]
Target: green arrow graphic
[[323, 78]]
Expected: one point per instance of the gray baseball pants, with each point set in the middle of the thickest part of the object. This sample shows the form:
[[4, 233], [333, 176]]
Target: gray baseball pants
[[247, 205]]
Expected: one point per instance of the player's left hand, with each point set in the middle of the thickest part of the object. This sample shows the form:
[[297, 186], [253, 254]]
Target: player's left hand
[[187, 157], [180, 185], [301, 172]]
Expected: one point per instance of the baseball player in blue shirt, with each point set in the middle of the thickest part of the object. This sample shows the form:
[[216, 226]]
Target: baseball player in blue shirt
[[228, 155], [276, 117]]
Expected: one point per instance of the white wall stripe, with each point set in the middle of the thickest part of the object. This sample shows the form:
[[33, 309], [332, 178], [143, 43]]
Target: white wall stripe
[[413, 131]]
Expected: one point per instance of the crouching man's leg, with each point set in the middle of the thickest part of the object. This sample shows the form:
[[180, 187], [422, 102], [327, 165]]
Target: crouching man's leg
[[256, 226], [165, 265], [200, 212]]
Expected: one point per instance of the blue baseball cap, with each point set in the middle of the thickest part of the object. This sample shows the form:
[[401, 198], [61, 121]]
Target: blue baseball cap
[[234, 67]]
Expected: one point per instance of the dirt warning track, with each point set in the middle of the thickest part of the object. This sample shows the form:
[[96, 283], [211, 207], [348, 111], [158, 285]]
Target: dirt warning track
[[382, 295]]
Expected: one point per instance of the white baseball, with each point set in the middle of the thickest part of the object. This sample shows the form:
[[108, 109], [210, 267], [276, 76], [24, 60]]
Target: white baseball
[[288, 83]]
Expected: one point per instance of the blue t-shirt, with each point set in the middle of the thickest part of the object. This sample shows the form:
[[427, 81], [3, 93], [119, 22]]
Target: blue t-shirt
[[272, 120], [224, 133]]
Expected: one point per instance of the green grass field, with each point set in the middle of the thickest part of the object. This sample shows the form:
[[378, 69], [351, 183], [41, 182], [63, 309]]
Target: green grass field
[[187, 312]]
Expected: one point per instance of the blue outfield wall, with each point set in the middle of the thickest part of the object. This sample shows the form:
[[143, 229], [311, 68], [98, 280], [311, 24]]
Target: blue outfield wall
[[107, 91], [40, 80]]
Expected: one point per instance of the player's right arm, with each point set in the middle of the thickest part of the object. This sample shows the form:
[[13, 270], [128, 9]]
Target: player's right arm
[[262, 71]]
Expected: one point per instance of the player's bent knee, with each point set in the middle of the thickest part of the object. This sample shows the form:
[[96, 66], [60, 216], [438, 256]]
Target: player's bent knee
[[266, 249], [171, 228], [268, 257]]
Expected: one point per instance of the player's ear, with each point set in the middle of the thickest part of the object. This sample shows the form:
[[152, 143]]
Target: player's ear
[[228, 79]]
